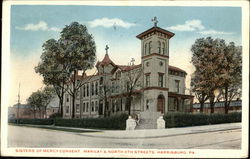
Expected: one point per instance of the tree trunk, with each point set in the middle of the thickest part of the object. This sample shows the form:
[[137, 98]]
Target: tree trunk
[[202, 106], [73, 95], [226, 100], [211, 99], [45, 113]]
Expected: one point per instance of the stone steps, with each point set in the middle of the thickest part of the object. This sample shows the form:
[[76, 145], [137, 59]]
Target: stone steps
[[148, 120]]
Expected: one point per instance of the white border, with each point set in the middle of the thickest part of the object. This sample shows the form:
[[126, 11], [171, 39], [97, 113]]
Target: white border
[[199, 153]]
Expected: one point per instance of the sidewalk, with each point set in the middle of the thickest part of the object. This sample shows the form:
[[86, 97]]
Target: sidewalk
[[147, 133], [157, 133]]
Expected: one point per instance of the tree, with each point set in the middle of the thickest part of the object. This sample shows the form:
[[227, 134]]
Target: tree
[[199, 88], [79, 50], [48, 94], [132, 81], [218, 67], [40, 100], [62, 59], [231, 74], [207, 53], [53, 68]]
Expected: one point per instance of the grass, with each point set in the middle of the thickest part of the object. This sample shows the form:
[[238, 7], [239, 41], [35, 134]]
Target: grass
[[56, 128]]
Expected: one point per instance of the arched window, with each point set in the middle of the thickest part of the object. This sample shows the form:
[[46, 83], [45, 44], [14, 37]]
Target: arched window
[[159, 47], [163, 48], [145, 49], [150, 47]]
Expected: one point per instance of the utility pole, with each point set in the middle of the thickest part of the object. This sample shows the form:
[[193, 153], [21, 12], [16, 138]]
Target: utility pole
[[18, 103]]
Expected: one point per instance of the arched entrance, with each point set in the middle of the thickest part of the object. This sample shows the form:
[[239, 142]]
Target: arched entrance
[[161, 103]]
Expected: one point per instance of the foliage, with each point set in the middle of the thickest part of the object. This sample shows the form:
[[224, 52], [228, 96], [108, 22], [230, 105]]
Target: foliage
[[55, 115], [79, 51], [53, 68], [40, 99], [112, 122], [217, 65], [188, 119], [63, 58], [32, 121]]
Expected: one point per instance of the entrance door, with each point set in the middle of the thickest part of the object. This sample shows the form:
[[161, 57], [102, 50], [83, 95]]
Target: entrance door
[[160, 103]]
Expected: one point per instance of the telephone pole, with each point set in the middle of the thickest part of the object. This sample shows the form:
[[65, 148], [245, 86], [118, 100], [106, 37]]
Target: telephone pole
[[18, 101]]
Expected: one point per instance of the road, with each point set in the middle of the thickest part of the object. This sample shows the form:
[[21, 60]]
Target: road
[[39, 138]]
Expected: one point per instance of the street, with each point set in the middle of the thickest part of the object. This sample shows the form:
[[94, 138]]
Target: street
[[38, 138]]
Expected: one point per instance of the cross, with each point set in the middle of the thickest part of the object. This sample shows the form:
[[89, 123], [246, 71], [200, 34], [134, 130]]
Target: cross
[[132, 61], [155, 21], [107, 47]]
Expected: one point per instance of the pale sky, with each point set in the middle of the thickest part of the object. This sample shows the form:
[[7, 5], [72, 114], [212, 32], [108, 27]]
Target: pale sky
[[32, 25]]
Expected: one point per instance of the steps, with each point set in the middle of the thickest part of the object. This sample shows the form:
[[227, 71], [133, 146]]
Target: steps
[[148, 120]]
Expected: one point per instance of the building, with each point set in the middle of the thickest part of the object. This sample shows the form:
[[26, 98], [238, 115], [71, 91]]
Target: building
[[219, 107], [25, 111], [159, 87]]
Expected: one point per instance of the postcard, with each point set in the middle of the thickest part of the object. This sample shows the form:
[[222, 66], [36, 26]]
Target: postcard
[[143, 79]]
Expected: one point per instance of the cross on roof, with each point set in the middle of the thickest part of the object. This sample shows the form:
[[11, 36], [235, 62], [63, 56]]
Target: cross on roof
[[132, 61], [106, 48], [155, 21]]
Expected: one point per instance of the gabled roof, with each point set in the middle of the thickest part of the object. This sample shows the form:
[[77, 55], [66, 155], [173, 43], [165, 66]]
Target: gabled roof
[[106, 61], [153, 29]]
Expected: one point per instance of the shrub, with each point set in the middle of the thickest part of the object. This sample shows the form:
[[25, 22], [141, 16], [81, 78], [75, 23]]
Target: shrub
[[55, 115], [188, 119], [32, 121], [112, 122]]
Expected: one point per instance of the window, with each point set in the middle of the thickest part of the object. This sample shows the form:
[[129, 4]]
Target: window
[[84, 91], [127, 86], [84, 108], [160, 80], [78, 94], [177, 85], [145, 49], [147, 80], [77, 108], [147, 104], [159, 47], [87, 90], [163, 48], [92, 89], [101, 80], [67, 98], [92, 106], [112, 87], [87, 106], [150, 47], [96, 88], [96, 106], [67, 109]]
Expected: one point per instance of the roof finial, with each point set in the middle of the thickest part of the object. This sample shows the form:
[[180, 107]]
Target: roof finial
[[155, 21], [106, 48]]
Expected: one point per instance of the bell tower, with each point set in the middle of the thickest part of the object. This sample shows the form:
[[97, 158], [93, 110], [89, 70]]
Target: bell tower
[[155, 62]]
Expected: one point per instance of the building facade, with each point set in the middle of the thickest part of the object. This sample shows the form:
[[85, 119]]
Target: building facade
[[154, 85]]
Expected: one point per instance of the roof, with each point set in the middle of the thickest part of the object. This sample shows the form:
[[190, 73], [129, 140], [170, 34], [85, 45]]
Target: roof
[[153, 29], [128, 68], [173, 68], [106, 61]]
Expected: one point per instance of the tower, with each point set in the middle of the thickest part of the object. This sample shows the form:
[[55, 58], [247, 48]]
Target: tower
[[155, 63]]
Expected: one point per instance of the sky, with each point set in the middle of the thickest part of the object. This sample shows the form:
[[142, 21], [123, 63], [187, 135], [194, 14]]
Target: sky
[[115, 26]]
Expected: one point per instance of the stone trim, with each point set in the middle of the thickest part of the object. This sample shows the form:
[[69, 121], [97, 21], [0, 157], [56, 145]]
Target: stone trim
[[155, 54]]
